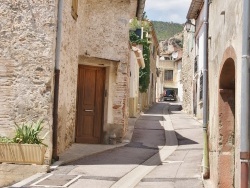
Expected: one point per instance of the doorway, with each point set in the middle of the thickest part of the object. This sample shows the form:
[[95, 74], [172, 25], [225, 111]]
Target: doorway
[[226, 145], [90, 104]]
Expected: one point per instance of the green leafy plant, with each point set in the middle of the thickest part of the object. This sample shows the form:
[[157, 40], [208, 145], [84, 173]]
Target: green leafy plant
[[134, 24], [4, 139], [29, 133], [144, 74], [26, 134]]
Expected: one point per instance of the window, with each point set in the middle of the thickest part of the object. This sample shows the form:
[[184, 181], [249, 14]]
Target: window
[[196, 64], [169, 75], [74, 9]]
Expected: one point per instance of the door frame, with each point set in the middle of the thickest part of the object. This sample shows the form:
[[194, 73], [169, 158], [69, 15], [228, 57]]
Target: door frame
[[103, 103]]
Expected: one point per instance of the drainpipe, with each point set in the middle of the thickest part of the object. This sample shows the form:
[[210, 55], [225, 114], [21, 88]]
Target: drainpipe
[[57, 76], [205, 93], [245, 66]]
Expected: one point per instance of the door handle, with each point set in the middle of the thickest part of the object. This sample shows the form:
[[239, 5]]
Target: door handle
[[88, 110]]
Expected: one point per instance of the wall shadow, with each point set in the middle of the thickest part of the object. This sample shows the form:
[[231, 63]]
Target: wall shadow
[[147, 139]]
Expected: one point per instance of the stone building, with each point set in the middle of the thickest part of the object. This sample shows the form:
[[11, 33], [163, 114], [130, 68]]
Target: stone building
[[148, 98], [136, 62], [170, 63], [198, 61], [66, 62], [178, 62], [224, 83], [225, 52], [188, 70], [154, 53]]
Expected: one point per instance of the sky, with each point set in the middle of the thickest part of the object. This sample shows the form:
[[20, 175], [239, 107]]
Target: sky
[[167, 10]]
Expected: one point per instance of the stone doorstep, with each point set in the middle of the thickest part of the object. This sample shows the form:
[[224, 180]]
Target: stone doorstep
[[82, 150]]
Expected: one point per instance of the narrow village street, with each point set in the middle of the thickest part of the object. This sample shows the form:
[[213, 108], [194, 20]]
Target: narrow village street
[[125, 94], [165, 151]]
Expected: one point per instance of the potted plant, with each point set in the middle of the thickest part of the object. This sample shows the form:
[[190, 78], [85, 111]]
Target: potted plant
[[26, 147]]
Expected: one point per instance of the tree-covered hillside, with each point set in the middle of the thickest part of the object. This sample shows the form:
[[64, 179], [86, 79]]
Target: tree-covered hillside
[[165, 30]]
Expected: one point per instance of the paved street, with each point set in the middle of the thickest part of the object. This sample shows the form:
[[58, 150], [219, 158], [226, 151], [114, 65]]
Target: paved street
[[183, 167], [153, 158]]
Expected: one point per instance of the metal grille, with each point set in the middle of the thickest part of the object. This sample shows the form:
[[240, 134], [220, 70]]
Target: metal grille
[[56, 180]]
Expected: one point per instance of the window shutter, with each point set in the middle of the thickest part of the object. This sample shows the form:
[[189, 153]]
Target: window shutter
[[201, 87], [74, 9], [168, 75]]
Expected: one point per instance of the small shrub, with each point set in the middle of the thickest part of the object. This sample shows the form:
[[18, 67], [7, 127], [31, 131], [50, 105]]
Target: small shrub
[[29, 133], [26, 134], [4, 139]]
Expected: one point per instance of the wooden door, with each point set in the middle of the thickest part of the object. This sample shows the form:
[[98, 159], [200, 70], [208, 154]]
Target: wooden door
[[90, 99]]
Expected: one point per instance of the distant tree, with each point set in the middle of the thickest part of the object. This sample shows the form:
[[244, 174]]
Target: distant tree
[[166, 30]]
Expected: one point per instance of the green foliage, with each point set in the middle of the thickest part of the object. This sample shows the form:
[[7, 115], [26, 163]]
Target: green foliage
[[166, 30], [26, 134], [135, 24], [144, 74], [134, 38], [4, 139]]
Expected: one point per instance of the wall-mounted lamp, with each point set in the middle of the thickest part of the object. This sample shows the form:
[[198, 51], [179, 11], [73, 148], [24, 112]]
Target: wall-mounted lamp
[[188, 25]]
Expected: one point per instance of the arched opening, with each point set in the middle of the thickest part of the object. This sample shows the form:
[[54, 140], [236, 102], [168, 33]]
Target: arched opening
[[226, 145]]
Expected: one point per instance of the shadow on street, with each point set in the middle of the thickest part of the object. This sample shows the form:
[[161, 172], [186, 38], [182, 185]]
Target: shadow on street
[[148, 138]]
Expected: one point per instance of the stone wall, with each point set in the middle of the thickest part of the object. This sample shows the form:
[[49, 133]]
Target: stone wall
[[98, 36], [187, 71], [133, 85], [27, 46], [226, 40], [68, 65], [104, 35], [153, 76], [27, 57], [169, 65], [104, 29]]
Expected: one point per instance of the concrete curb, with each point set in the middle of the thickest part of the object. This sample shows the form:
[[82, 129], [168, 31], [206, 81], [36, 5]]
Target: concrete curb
[[132, 178]]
